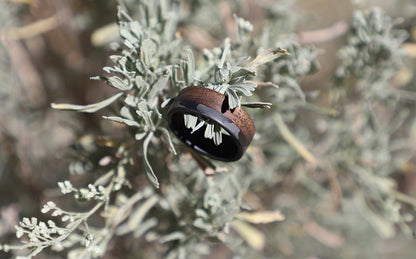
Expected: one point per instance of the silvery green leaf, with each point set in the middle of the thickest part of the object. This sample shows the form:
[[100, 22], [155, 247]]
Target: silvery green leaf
[[142, 85], [201, 213], [166, 102], [111, 70], [97, 78], [227, 47], [191, 66], [166, 135], [115, 58], [130, 32], [128, 122], [243, 24], [149, 49], [266, 56], [217, 135], [209, 131], [131, 100], [157, 112], [139, 66], [176, 235], [149, 170], [157, 87], [145, 226], [122, 15], [225, 73], [244, 88], [198, 126], [146, 114], [201, 224], [256, 105], [190, 121], [125, 113], [137, 216], [220, 88], [233, 99], [90, 108], [140, 135]]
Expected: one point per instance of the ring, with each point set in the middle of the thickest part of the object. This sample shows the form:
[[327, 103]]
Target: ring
[[211, 106]]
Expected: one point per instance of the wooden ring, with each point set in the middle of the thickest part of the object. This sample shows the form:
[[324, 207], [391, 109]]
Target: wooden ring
[[209, 104]]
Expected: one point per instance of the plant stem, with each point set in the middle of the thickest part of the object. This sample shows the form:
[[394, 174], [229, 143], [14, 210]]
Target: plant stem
[[294, 142]]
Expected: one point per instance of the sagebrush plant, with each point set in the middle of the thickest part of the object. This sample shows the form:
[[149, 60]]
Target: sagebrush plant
[[180, 206]]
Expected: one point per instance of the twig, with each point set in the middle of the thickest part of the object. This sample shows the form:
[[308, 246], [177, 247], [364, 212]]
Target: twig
[[294, 142], [33, 29], [405, 198], [205, 164], [323, 235], [325, 34], [263, 83]]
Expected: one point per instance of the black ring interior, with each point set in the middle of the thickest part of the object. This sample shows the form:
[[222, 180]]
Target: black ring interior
[[230, 148]]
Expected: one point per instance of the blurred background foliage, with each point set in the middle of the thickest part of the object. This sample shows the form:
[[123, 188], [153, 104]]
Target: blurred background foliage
[[338, 196]]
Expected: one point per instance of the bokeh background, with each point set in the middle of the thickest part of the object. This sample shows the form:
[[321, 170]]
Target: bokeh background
[[49, 50]]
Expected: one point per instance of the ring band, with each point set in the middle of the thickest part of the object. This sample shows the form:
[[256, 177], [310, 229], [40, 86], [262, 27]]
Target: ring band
[[209, 104]]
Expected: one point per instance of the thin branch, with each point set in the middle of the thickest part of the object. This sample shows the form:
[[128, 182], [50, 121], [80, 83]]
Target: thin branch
[[325, 34], [33, 29], [405, 198], [294, 142], [258, 83]]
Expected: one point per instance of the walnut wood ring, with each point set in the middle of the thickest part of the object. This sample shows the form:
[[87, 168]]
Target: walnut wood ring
[[209, 104]]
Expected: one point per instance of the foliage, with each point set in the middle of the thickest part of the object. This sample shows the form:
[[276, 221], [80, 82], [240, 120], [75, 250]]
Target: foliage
[[347, 154]]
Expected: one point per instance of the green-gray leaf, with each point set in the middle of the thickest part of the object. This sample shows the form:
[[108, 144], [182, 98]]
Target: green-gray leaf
[[145, 226], [233, 99], [140, 212], [176, 235], [121, 84], [191, 66], [244, 88], [149, 170], [90, 108], [128, 122], [166, 135], [157, 87]]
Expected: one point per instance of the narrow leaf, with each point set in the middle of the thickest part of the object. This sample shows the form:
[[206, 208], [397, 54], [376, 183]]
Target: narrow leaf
[[254, 237], [139, 213], [149, 170], [266, 56], [191, 66], [128, 122], [90, 108], [166, 102], [176, 235], [197, 127], [149, 49], [157, 87], [261, 217], [217, 135], [166, 135], [209, 131], [190, 120], [145, 226], [244, 87], [256, 105], [140, 135], [119, 83], [227, 47], [233, 100]]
